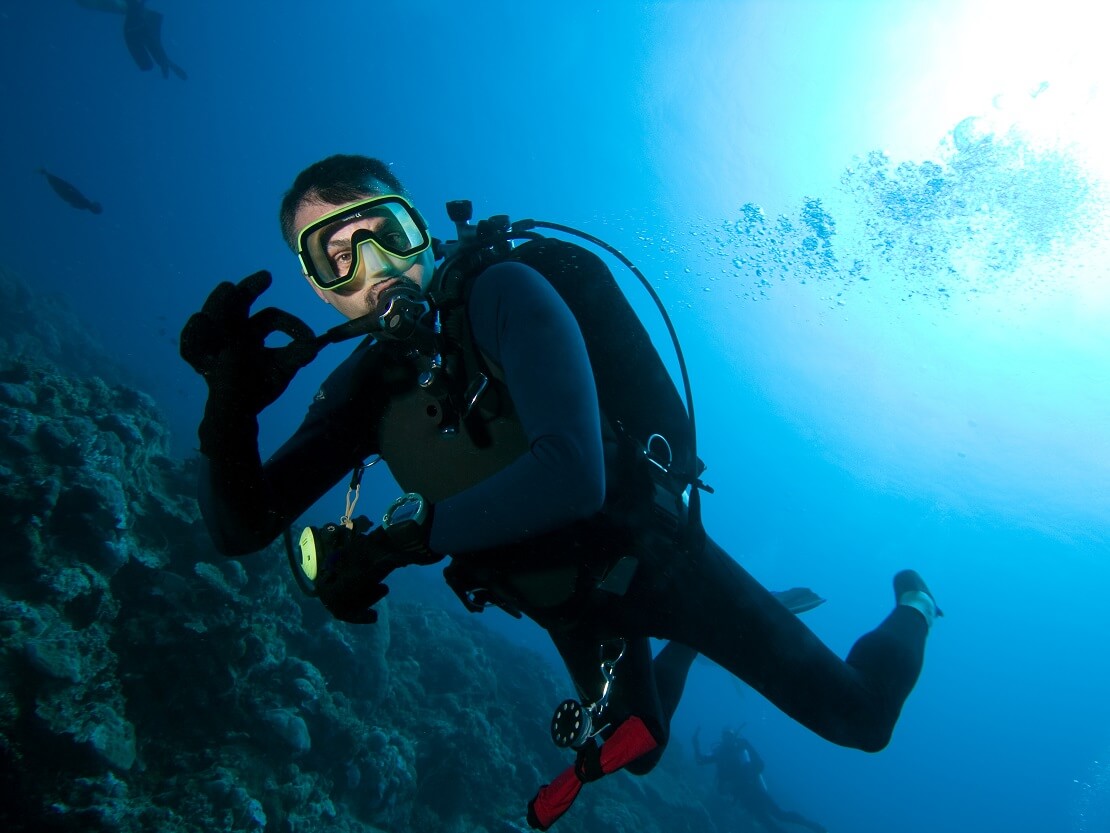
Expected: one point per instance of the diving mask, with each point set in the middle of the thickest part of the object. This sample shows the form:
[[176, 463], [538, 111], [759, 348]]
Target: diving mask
[[375, 239]]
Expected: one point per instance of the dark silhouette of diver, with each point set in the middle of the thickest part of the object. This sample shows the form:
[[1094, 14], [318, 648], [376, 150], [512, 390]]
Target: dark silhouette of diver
[[68, 192], [740, 778], [142, 32]]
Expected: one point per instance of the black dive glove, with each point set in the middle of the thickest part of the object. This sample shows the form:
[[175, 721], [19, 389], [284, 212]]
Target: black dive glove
[[226, 345], [351, 576]]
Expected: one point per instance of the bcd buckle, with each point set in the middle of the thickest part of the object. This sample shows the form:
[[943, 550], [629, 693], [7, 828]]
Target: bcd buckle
[[669, 507]]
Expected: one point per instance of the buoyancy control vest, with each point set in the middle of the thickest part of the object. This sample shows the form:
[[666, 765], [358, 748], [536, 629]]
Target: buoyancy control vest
[[644, 420], [652, 465]]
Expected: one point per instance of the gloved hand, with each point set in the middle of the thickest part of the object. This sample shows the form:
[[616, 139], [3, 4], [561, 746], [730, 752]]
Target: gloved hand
[[351, 577], [226, 345]]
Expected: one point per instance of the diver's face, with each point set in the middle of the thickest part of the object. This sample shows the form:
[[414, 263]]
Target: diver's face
[[360, 296]]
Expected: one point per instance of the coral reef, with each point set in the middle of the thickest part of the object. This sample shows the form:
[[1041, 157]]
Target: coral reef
[[147, 683]]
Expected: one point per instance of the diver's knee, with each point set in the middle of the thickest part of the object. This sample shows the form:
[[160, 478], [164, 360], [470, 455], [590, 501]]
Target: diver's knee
[[862, 730], [877, 744], [645, 763], [873, 738]]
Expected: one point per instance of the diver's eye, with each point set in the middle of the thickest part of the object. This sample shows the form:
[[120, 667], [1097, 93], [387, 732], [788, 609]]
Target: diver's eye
[[341, 262], [391, 236], [396, 241]]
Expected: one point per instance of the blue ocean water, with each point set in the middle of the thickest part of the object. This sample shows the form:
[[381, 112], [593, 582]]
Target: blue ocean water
[[877, 227]]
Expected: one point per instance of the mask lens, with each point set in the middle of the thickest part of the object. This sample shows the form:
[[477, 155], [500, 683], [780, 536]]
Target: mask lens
[[373, 263], [331, 247]]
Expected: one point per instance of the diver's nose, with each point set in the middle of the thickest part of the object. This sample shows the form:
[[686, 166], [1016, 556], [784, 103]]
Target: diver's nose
[[375, 265]]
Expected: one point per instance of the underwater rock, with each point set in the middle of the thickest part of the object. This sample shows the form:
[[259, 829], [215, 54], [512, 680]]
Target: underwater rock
[[214, 578], [53, 658], [110, 556], [112, 738], [387, 778], [20, 396], [230, 799], [357, 657], [289, 728], [72, 676], [306, 692]]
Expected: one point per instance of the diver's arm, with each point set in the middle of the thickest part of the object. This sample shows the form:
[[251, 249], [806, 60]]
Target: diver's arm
[[245, 503], [699, 756], [519, 321], [230, 487]]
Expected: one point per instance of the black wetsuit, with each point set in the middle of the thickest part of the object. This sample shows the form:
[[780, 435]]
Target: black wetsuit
[[542, 510]]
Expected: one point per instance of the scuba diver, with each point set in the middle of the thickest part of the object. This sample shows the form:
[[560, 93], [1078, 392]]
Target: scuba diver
[[740, 778], [541, 445], [68, 192], [142, 33]]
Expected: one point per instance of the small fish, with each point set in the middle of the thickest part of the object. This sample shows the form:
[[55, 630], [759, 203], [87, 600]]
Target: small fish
[[68, 192]]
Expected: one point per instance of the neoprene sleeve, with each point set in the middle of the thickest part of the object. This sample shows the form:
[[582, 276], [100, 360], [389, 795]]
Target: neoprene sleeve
[[523, 326]]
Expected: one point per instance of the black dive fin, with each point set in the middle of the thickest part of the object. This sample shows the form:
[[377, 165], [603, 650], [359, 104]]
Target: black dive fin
[[798, 599]]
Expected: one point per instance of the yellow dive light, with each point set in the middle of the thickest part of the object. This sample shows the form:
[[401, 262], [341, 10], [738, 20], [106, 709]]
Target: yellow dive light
[[309, 560]]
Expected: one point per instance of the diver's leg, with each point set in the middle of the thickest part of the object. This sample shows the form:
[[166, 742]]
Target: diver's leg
[[758, 802], [152, 38], [767, 822], [634, 739], [771, 809], [636, 694], [791, 817], [134, 37], [671, 667], [709, 602]]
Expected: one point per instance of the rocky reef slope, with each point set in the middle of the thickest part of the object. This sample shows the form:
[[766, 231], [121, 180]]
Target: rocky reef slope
[[147, 683]]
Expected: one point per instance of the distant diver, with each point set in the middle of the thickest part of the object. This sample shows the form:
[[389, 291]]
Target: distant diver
[[740, 778], [68, 192], [142, 32]]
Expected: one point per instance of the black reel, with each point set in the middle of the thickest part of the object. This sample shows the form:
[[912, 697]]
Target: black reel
[[575, 723], [572, 725]]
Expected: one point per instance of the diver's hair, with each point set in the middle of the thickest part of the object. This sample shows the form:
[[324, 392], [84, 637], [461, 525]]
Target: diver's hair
[[337, 179]]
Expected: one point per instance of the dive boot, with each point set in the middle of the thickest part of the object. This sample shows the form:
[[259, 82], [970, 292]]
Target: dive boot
[[911, 590]]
